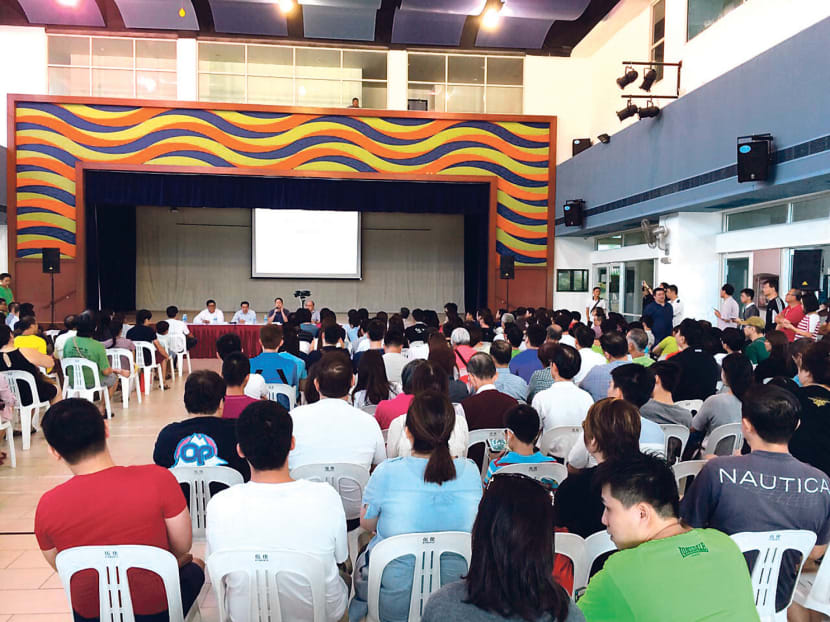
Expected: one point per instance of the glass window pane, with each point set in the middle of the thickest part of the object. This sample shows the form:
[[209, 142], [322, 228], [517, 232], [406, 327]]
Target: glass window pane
[[505, 99], [153, 54], [563, 280], [609, 242], [366, 65], [465, 99], [580, 281], [466, 69], [270, 60], [155, 84], [68, 81], [112, 82], [263, 90], [432, 94], [812, 209], [773, 215], [69, 51], [221, 88], [657, 53], [505, 71], [369, 94], [704, 13], [112, 52], [318, 93], [427, 68], [632, 238], [658, 21], [221, 58], [317, 63]]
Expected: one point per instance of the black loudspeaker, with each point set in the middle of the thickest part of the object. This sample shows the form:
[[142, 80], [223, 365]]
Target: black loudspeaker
[[806, 270], [578, 145], [574, 213], [51, 260], [754, 157], [507, 265]]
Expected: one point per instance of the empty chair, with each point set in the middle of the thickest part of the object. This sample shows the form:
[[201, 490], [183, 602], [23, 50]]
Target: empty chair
[[177, 349], [572, 546], [111, 564], [122, 358], [541, 471], [771, 546], [676, 438], [685, 470], [143, 348], [427, 549], [348, 480], [199, 480], [493, 440], [263, 569], [275, 389], [813, 589], [569, 433], [75, 383], [725, 440], [28, 414]]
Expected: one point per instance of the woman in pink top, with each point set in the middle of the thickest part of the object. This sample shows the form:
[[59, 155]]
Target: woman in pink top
[[236, 368], [388, 410], [460, 340]]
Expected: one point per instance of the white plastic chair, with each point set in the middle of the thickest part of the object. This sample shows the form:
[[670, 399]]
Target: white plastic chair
[[140, 348], [572, 546], [52, 334], [349, 480], [199, 480], [263, 568], [116, 356], [569, 433], [813, 589], [684, 470], [28, 414], [674, 431], [693, 406], [597, 545], [112, 563], [427, 549], [76, 386], [485, 436], [275, 389], [771, 546], [538, 470], [723, 432], [177, 349], [305, 347], [369, 408], [7, 426]]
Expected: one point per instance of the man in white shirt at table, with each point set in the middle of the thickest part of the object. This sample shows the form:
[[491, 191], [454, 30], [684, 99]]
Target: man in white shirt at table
[[210, 315], [245, 315]]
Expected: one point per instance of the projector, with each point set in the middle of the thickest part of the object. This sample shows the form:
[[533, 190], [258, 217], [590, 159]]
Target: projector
[[302, 293]]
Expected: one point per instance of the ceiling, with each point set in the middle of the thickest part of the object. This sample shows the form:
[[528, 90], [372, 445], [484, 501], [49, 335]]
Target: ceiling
[[537, 26]]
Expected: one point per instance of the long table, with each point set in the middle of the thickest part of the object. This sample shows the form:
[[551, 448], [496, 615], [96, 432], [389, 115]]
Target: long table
[[207, 334]]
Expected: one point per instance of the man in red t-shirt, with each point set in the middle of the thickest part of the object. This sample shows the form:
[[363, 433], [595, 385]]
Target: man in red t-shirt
[[107, 505], [792, 312]]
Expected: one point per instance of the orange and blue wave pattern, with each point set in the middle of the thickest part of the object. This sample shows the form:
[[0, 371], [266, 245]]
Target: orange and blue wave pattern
[[50, 138]]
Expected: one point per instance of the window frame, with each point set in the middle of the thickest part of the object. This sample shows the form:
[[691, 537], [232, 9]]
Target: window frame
[[571, 273], [662, 41]]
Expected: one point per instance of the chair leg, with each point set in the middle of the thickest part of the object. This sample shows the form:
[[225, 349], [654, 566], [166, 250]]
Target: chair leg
[[134, 379], [125, 392], [10, 441], [148, 377], [26, 427], [107, 406], [189, 368], [161, 378]]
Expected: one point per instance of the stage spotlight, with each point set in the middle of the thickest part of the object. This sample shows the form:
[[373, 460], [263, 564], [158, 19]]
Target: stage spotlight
[[648, 79], [650, 110], [286, 6], [604, 139], [628, 77], [491, 18], [629, 111]]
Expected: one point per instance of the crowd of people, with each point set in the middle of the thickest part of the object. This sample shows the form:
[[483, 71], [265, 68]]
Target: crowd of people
[[399, 394]]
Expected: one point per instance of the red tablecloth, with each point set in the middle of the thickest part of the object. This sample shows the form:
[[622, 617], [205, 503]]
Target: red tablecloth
[[207, 334]]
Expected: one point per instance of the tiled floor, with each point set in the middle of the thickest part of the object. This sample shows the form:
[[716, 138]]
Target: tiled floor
[[30, 591]]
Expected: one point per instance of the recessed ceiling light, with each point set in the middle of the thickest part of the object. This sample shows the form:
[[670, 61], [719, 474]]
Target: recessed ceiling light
[[286, 6], [68, 3], [491, 18]]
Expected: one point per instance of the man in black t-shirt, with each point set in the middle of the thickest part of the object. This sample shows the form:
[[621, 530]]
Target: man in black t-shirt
[[142, 331], [418, 331], [774, 303], [698, 370]]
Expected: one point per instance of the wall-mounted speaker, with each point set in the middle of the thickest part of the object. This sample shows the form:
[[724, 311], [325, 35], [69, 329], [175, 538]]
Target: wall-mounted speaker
[[574, 213], [754, 157], [507, 267], [578, 145], [807, 269]]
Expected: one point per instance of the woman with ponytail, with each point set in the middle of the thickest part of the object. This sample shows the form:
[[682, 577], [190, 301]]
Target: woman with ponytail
[[425, 491]]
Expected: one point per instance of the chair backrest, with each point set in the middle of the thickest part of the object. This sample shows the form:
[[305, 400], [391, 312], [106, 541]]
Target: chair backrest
[[369, 408], [813, 589], [771, 546], [597, 545], [349, 480], [676, 438], [725, 440], [427, 549], [572, 546], [570, 434], [117, 357], [693, 406], [112, 563], [52, 334], [541, 471], [492, 439], [685, 470], [305, 347], [176, 342], [142, 347], [75, 381], [263, 569], [199, 480], [275, 389], [15, 377]]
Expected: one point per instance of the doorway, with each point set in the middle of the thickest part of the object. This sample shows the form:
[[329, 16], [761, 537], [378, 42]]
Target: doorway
[[620, 284]]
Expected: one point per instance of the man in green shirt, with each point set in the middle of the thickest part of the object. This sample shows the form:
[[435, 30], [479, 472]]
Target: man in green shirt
[[649, 578], [6, 287], [756, 351], [84, 346], [637, 344]]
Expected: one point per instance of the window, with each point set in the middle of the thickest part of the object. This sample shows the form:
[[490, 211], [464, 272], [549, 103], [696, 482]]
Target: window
[[765, 216], [270, 74], [658, 35], [812, 209], [618, 240], [572, 280], [703, 13], [466, 83], [112, 66]]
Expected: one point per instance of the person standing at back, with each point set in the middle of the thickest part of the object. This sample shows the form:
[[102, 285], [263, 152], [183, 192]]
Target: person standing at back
[[728, 312], [792, 313], [595, 302], [662, 313], [6, 287], [676, 305], [774, 303]]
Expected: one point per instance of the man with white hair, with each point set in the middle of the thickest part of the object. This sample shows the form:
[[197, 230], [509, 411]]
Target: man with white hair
[[460, 341]]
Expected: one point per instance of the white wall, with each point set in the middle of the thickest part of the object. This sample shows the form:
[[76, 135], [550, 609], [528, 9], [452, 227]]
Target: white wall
[[23, 69], [396, 74], [571, 253]]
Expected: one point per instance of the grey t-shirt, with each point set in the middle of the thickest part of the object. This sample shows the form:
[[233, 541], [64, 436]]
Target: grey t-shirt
[[666, 413], [446, 605], [717, 410]]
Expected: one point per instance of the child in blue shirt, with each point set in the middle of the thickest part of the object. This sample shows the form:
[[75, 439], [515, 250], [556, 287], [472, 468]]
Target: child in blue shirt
[[523, 428]]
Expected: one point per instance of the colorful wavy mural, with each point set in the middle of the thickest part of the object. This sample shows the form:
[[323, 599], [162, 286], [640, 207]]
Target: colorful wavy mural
[[50, 138]]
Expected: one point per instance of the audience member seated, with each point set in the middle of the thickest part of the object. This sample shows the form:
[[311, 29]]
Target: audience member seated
[[698, 369], [661, 408], [274, 366], [460, 342], [486, 322], [514, 515], [254, 516], [178, 327], [333, 337], [526, 362], [103, 330], [811, 441], [210, 314], [807, 327], [637, 344], [392, 407], [393, 359], [584, 338], [765, 490], [117, 340], [82, 345], [106, 504], [732, 340], [541, 379], [7, 403], [226, 345], [13, 316], [204, 439], [563, 403], [514, 335], [427, 376], [611, 432], [779, 362], [376, 331], [668, 347], [507, 383], [418, 330], [659, 558], [615, 348], [427, 491], [235, 371], [142, 331], [724, 407], [372, 387], [442, 355], [28, 337], [756, 350], [68, 332], [522, 430]]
